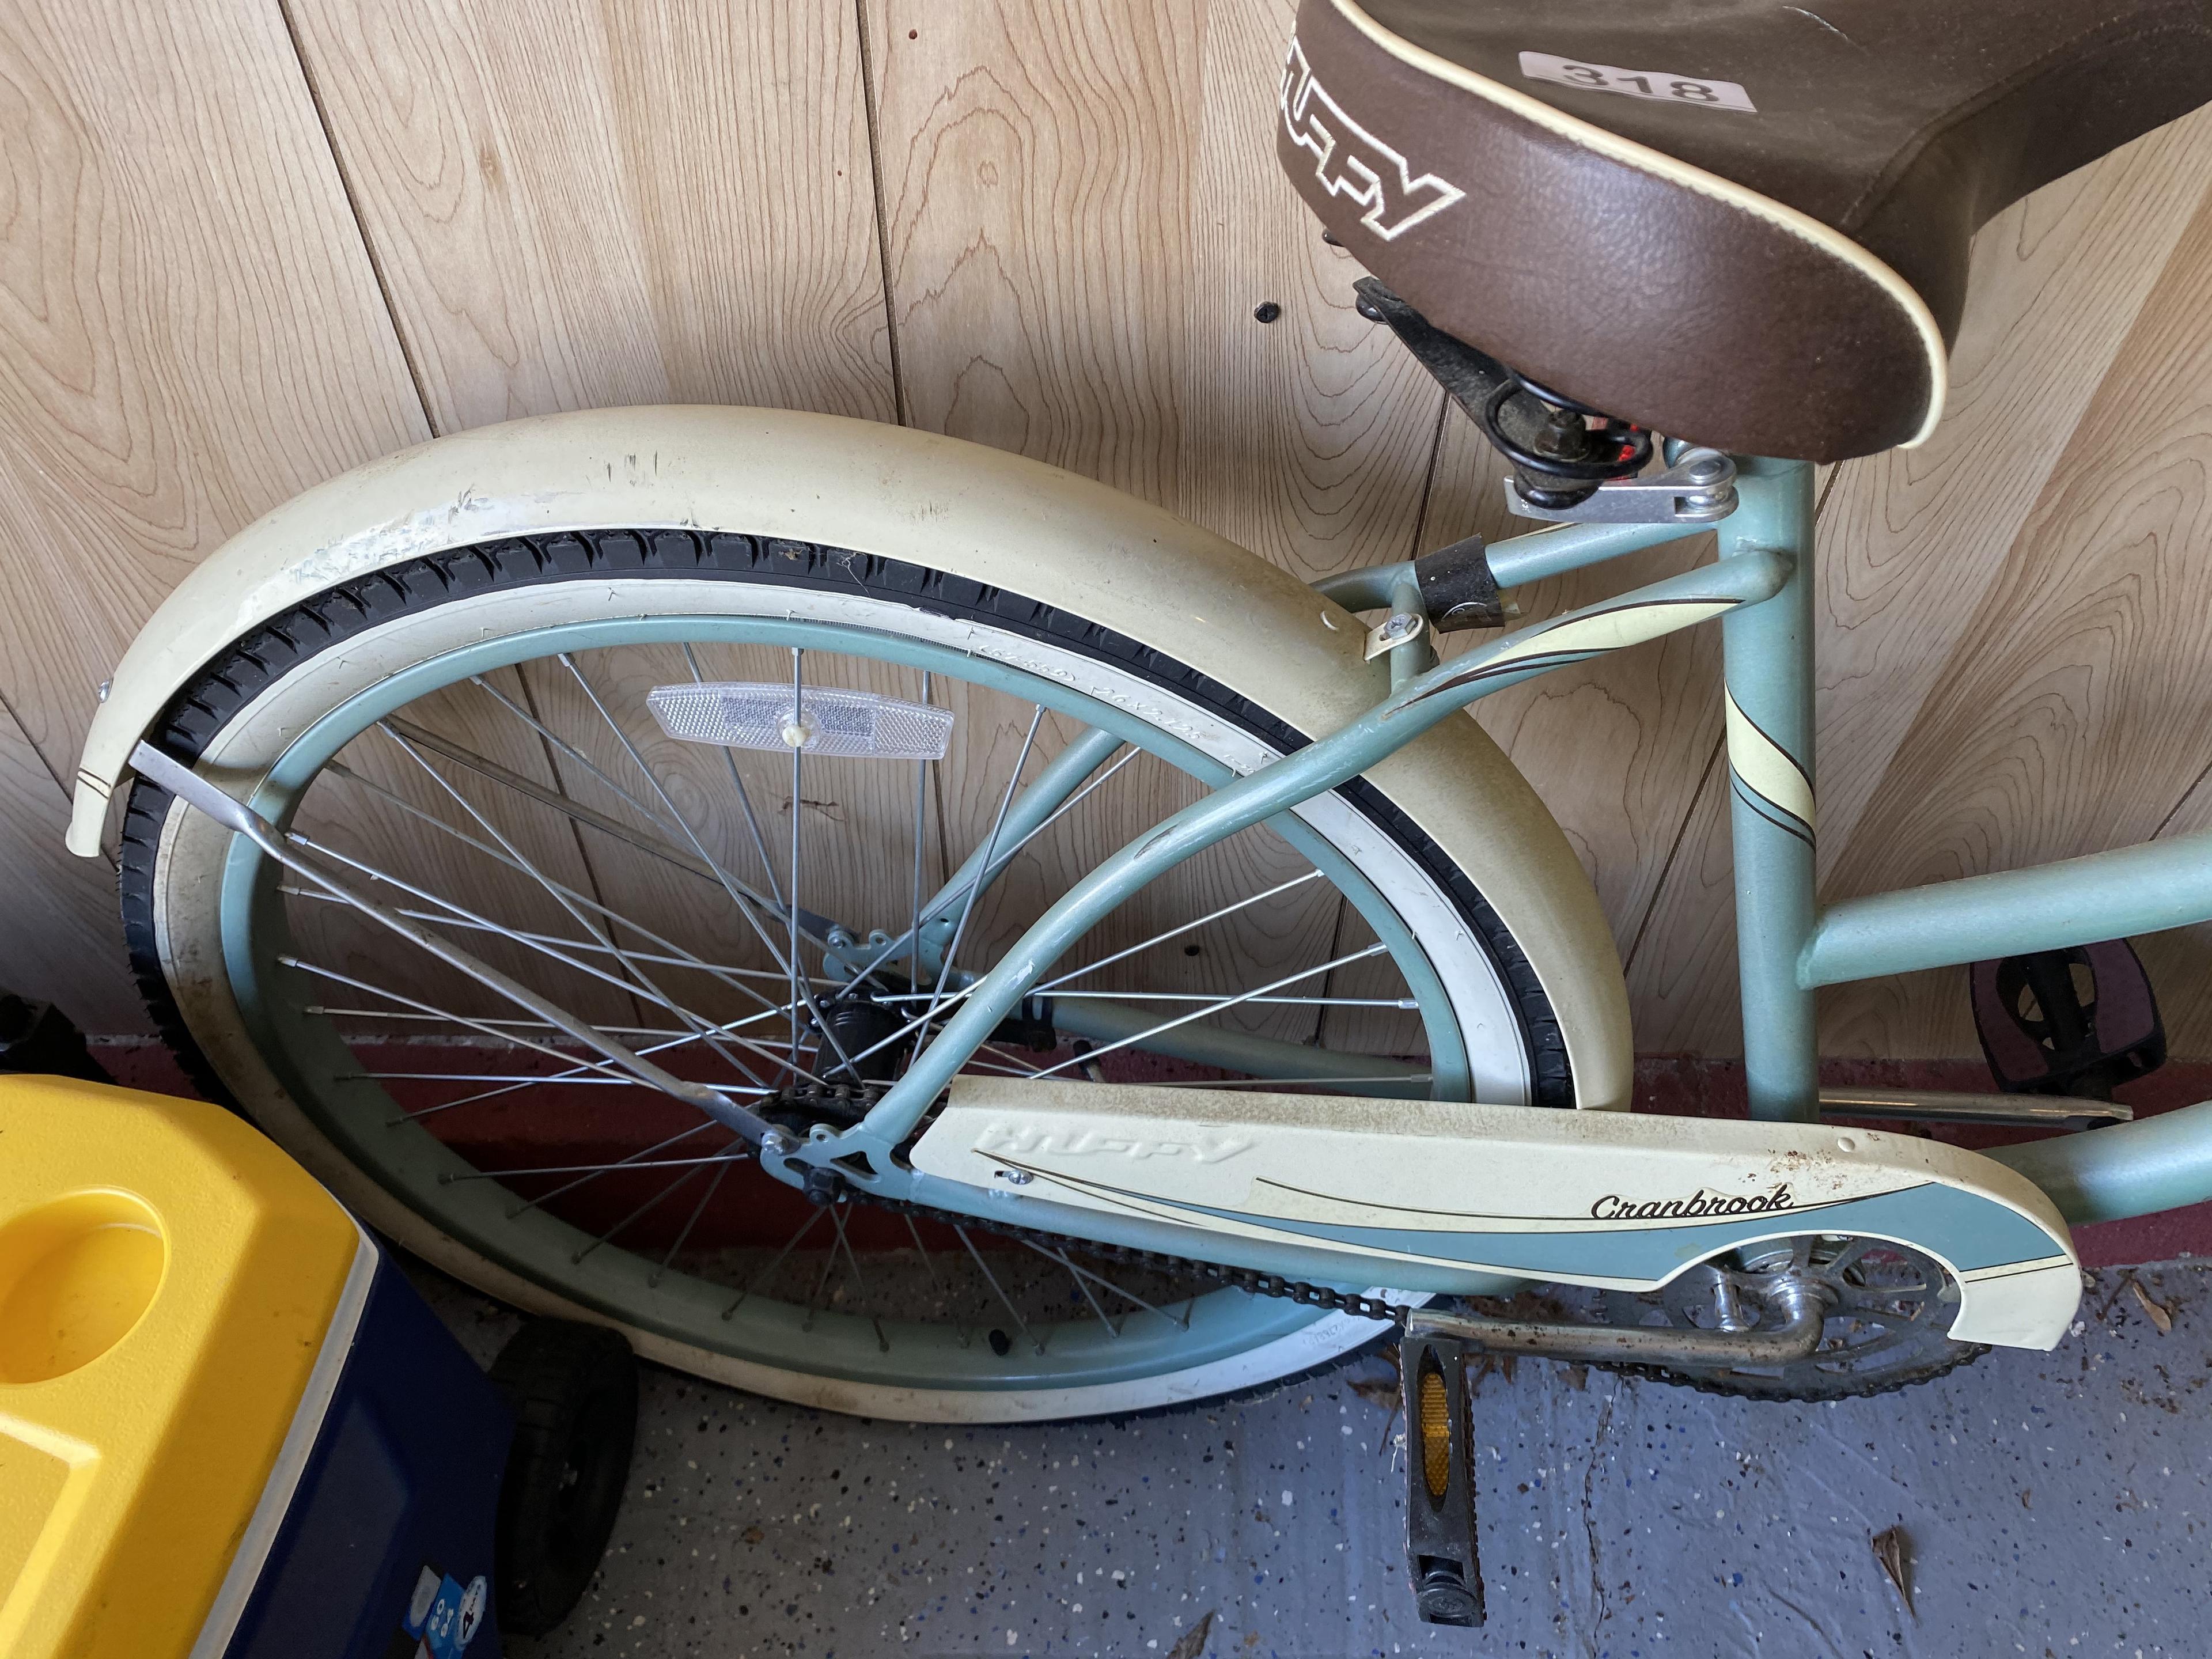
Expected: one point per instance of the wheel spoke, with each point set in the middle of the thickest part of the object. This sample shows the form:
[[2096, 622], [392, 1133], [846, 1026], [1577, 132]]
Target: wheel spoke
[[504, 1077], [604, 938], [798, 813], [589, 765], [1214, 1008], [920, 805], [1081, 1284], [719, 970], [929, 1266], [745, 800], [601, 1167], [852, 1262], [1007, 1302], [748, 904], [1176, 931], [676, 1041], [789, 1245], [692, 1220], [340, 769], [630, 1162], [1125, 1294], [575, 810], [561, 957], [653, 1203], [960, 887], [307, 967], [990, 847], [519, 1025]]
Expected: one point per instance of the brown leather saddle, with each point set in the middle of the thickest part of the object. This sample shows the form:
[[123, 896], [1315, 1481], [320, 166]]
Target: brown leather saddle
[[1735, 222]]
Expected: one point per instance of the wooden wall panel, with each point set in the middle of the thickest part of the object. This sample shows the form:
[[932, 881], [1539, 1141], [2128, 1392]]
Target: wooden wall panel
[[2078, 711], [1084, 212], [1952, 575], [189, 334], [576, 206]]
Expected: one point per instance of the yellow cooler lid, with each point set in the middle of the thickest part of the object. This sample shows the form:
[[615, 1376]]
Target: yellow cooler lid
[[167, 1279]]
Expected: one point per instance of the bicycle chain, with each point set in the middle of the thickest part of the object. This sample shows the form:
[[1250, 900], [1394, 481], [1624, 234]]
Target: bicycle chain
[[1241, 1279]]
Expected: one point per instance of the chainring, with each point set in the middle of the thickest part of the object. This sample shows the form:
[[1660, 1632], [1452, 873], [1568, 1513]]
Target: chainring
[[1889, 1323]]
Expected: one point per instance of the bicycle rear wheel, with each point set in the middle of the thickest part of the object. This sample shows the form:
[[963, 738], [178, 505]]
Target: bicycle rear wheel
[[471, 732]]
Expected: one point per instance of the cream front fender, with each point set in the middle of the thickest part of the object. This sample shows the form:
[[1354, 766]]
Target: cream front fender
[[957, 507]]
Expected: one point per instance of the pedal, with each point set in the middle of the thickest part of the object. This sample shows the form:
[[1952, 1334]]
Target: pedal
[[1439, 1482], [2072, 1022]]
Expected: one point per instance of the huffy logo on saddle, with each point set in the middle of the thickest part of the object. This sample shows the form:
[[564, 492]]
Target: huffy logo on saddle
[[1697, 1205], [1027, 1139], [1350, 160]]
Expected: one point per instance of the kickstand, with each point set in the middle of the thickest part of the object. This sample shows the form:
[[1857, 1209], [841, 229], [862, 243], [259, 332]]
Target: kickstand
[[1439, 1482]]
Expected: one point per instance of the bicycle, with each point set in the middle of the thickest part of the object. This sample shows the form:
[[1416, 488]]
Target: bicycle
[[471, 759]]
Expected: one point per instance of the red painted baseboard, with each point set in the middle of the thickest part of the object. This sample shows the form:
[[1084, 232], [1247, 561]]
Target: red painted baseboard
[[1680, 1084]]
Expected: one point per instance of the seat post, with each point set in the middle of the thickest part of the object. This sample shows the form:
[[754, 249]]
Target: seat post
[[1768, 652]]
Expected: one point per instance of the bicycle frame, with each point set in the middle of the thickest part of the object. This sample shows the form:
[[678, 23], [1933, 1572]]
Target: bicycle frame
[[1759, 590]]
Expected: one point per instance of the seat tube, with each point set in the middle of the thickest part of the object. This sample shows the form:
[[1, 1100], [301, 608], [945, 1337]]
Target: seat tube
[[1768, 649]]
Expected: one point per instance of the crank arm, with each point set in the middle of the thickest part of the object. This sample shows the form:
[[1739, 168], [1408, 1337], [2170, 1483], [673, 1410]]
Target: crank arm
[[198, 792], [1798, 1307]]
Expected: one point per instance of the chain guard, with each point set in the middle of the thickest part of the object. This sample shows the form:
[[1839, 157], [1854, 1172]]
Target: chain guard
[[1390, 1313]]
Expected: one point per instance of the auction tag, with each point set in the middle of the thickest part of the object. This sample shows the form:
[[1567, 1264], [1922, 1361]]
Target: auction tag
[[1636, 83]]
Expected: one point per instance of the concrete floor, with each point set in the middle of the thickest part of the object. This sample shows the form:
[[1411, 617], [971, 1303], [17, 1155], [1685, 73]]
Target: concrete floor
[[2056, 1505]]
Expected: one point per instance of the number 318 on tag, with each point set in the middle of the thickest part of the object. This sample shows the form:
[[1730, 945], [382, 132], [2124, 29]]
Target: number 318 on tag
[[1636, 83]]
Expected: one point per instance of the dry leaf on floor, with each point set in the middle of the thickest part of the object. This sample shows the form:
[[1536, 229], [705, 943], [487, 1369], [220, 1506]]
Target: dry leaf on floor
[[2157, 1312], [1382, 1391], [1192, 1642], [1889, 1547]]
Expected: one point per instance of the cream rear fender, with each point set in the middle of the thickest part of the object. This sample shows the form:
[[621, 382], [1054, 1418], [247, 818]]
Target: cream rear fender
[[960, 507]]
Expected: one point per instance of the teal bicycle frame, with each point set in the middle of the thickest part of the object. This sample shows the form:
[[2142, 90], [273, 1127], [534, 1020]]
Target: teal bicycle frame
[[1761, 591]]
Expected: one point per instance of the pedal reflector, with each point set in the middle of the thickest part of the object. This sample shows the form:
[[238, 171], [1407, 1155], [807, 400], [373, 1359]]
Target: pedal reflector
[[1436, 1433], [818, 722]]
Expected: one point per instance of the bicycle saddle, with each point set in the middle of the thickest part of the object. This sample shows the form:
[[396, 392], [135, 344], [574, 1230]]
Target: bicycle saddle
[[1735, 222]]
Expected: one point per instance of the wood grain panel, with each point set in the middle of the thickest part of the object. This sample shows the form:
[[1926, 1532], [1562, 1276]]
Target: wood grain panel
[[189, 331], [2077, 716], [61, 935], [1916, 537], [1083, 211], [575, 205], [1915, 550]]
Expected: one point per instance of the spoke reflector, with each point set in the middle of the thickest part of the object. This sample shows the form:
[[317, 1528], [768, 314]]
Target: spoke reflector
[[734, 716]]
